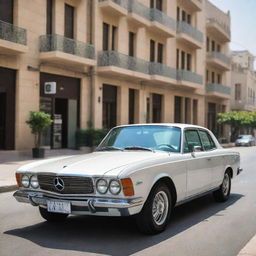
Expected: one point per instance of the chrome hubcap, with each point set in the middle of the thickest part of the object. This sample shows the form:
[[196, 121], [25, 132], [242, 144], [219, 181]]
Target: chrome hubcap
[[160, 207], [225, 184]]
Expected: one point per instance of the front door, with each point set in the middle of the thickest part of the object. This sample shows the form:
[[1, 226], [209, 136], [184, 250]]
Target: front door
[[198, 166]]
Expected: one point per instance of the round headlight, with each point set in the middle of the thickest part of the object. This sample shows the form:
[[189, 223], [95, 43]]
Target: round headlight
[[102, 186], [114, 187], [34, 182], [25, 181]]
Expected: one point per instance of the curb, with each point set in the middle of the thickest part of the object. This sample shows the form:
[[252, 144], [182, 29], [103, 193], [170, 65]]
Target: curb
[[249, 249], [8, 188]]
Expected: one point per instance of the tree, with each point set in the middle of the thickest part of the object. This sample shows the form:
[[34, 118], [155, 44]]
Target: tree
[[38, 122], [237, 120]]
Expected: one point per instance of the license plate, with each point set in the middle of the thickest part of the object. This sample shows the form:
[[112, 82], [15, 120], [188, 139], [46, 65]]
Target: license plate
[[58, 206]]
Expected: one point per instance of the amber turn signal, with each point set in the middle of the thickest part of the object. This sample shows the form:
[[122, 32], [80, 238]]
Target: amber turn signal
[[18, 179], [127, 187]]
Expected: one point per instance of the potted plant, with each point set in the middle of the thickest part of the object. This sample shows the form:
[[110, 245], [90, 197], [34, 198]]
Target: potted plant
[[38, 122]]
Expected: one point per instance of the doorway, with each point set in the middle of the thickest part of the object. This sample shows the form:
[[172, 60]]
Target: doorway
[[61, 108], [2, 119]]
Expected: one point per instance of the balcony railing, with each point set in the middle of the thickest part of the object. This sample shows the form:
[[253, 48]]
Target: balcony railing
[[13, 33], [184, 27], [113, 58], [225, 27], [220, 56], [54, 42], [189, 76], [219, 88], [162, 70], [122, 3], [162, 18], [138, 8]]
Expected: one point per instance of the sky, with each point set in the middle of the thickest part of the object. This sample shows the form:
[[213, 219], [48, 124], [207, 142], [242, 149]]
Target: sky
[[243, 23]]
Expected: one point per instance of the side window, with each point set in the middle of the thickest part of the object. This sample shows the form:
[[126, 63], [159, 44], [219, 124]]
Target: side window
[[185, 146], [193, 139], [207, 141]]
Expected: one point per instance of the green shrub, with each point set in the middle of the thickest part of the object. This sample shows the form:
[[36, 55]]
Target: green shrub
[[38, 122], [90, 137]]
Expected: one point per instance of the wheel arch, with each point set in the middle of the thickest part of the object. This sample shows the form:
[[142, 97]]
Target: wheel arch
[[229, 168], [167, 180]]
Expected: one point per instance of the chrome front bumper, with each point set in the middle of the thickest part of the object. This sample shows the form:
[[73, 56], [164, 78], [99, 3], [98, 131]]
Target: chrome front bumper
[[84, 205]]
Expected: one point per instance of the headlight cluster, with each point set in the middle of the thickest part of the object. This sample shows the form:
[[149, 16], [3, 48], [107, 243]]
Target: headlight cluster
[[103, 186], [28, 181]]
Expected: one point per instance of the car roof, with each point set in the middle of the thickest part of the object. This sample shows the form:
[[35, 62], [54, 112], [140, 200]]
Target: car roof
[[179, 125]]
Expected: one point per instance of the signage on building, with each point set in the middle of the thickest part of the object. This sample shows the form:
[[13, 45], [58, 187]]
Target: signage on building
[[50, 88]]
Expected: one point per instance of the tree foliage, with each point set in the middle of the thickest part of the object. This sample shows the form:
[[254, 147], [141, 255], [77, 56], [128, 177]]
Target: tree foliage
[[238, 120], [38, 122]]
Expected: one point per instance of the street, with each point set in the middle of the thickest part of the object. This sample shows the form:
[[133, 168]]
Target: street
[[199, 228]]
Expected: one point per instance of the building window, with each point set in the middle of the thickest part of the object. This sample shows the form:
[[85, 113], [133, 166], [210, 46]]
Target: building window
[[156, 108], [69, 21], [189, 62], [6, 11], [237, 91], [207, 75], [131, 44], [218, 48], [109, 106], [178, 13], [213, 46], [195, 111], [49, 9], [152, 50], [213, 77], [219, 78], [177, 109], [187, 110], [177, 58], [160, 52], [183, 60], [131, 106], [114, 38], [105, 36], [157, 4]]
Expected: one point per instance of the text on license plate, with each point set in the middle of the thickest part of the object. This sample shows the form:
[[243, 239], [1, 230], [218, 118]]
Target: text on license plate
[[58, 206]]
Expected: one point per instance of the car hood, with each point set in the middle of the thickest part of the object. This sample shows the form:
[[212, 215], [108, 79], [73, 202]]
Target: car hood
[[93, 164]]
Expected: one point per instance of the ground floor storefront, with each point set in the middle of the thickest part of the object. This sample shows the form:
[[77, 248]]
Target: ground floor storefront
[[77, 100]]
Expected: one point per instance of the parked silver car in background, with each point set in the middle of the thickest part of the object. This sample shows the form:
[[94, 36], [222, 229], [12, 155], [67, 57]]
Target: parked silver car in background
[[142, 170], [245, 140]]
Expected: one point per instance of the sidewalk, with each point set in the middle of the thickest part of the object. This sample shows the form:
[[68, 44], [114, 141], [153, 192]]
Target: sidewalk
[[10, 161], [249, 249]]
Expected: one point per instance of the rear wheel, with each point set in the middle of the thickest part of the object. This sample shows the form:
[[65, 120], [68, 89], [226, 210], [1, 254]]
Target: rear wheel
[[155, 214], [222, 194], [52, 216]]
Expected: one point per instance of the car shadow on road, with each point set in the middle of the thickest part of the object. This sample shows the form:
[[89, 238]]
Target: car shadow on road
[[105, 235]]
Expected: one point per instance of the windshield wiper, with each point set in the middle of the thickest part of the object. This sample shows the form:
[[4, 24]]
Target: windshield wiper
[[108, 148], [138, 148]]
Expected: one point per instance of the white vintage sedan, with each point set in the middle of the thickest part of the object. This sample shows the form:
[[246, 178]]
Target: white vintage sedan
[[142, 170]]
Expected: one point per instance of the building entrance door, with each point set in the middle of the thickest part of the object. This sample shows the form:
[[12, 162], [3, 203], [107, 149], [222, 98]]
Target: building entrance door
[[2, 119]]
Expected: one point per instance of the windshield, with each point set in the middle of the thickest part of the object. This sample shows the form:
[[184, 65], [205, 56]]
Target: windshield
[[244, 137], [143, 137]]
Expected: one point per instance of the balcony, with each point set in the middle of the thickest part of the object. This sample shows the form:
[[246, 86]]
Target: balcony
[[219, 60], [118, 64], [162, 74], [189, 35], [218, 90], [189, 79], [219, 30], [139, 13], [162, 23], [155, 19], [192, 5], [65, 51], [13, 39], [114, 7]]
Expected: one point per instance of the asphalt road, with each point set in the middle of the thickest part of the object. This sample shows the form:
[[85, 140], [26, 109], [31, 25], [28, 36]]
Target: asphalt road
[[199, 228]]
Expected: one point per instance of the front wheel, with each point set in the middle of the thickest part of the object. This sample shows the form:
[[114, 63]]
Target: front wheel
[[52, 216], [155, 213], [222, 194]]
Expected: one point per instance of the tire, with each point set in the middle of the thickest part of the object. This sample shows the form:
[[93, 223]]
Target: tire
[[222, 194], [51, 216], [159, 201]]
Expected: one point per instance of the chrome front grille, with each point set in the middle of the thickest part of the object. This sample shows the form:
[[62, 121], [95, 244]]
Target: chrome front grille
[[72, 184]]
